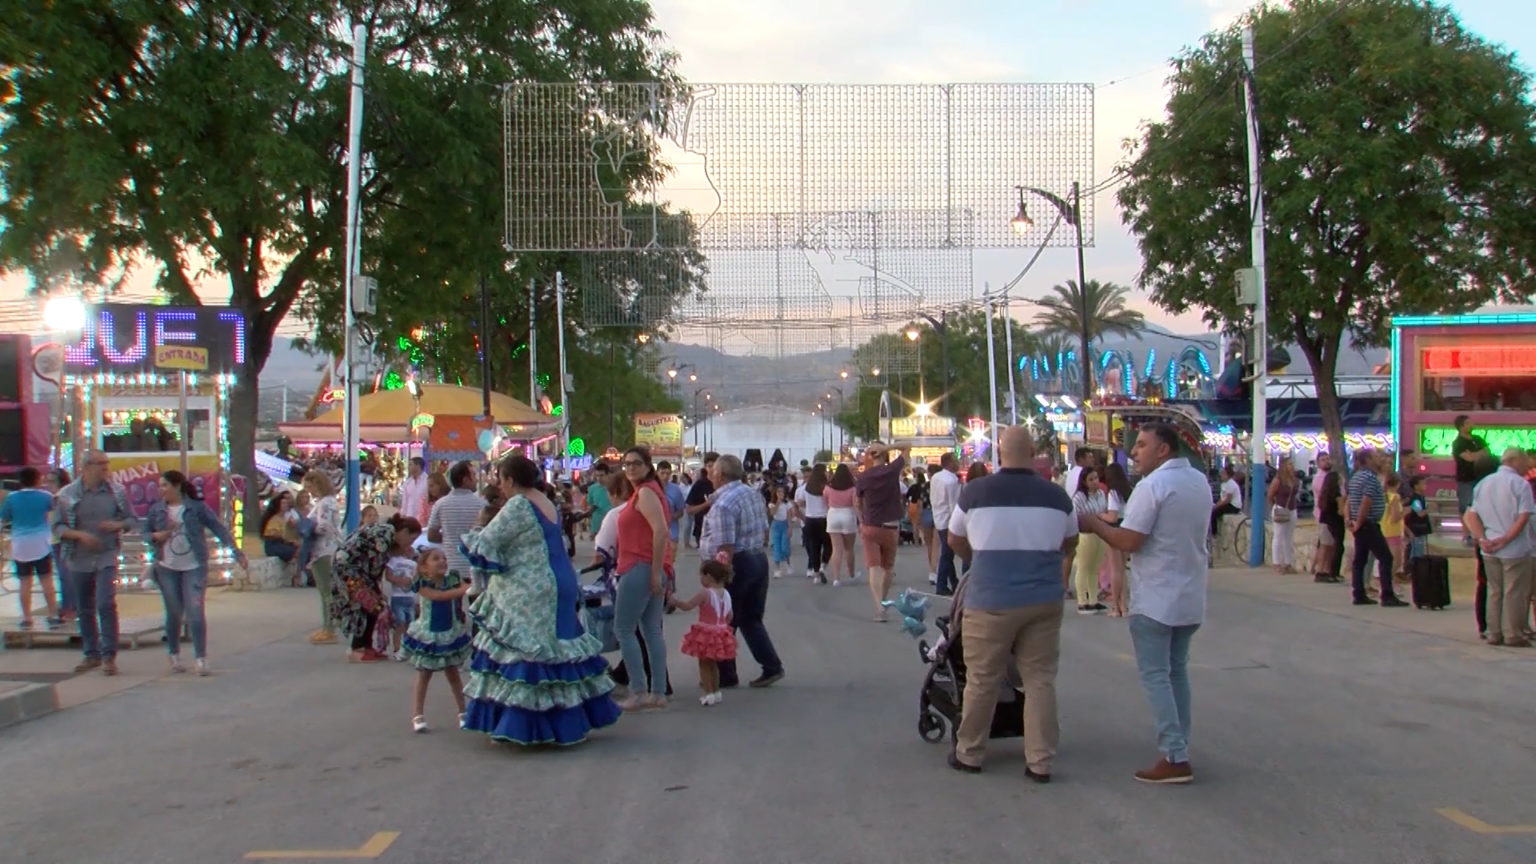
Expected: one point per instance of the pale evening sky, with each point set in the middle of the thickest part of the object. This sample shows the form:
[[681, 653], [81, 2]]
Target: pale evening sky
[[1121, 46]]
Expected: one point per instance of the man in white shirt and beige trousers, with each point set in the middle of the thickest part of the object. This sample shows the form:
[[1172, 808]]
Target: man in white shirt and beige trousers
[[1500, 521]]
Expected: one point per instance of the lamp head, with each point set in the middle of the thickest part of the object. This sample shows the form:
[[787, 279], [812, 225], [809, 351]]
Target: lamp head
[[64, 313], [913, 333], [1021, 222], [672, 373]]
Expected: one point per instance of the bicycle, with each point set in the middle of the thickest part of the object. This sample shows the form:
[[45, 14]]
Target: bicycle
[[1241, 537]]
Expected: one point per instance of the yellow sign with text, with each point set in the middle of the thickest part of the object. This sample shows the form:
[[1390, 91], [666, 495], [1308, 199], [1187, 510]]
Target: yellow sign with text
[[662, 433], [188, 358]]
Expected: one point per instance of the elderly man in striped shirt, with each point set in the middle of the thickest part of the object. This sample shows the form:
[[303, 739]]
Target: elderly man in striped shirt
[[1367, 506], [1015, 528]]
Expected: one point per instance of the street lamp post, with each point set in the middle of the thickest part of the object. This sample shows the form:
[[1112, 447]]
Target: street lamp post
[[1073, 213], [705, 392]]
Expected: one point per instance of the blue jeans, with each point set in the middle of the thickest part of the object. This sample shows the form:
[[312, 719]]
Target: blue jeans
[[635, 606], [780, 535], [1162, 658], [280, 549], [67, 602], [947, 579], [96, 594], [307, 543], [183, 591]]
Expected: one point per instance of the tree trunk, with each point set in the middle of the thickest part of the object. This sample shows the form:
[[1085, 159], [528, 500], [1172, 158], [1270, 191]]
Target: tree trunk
[[1085, 345], [242, 417], [1322, 354]]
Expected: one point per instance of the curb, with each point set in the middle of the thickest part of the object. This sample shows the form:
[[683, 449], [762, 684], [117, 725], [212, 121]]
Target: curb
[[20, 701]]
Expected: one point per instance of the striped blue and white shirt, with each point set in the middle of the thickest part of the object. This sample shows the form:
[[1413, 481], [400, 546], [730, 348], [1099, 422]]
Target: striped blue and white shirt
[[1016, 522]]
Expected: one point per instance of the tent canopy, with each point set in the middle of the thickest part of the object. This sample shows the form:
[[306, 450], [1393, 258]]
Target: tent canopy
[[385, 416]]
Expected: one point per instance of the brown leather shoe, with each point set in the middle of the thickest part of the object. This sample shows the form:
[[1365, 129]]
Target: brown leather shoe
[[87, 665], [1167, 772], [109, 666], [1517, 643]]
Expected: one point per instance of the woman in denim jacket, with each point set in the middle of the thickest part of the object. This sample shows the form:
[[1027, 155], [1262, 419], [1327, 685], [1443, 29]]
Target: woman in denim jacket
[[177, 524]]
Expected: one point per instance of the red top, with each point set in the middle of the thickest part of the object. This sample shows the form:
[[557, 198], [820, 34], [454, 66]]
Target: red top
[[635, 536]]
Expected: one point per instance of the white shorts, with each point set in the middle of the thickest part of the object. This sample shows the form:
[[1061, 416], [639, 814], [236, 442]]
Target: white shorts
[[842, 520]]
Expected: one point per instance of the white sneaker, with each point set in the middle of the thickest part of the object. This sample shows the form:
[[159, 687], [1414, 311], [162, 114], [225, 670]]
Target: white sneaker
[[933, 578], [810, 574], [837, 583], [418, 723], [398, 656], [202, 667], [176, 664], [704, 700]]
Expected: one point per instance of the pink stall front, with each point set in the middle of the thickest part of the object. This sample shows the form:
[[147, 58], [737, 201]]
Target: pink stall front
[[1482, 366]]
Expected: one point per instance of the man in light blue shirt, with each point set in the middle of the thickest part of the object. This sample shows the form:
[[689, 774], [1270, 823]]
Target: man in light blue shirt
[[675, 498], [1500, 521], [1164, 529]]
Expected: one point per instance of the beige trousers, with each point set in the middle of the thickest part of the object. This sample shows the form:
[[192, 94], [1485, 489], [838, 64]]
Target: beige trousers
[[1029, 636]]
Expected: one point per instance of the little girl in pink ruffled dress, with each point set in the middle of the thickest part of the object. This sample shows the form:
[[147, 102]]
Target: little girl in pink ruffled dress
[[711, 639]]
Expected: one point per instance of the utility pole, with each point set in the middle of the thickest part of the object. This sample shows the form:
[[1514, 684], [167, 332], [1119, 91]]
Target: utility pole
[[533, 344], [349, 277], [565, 409], [1259, 458], [1013, 397]]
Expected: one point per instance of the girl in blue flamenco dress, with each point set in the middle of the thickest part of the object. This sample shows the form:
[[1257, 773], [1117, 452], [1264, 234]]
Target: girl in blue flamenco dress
[[436, 641], [535, 676]]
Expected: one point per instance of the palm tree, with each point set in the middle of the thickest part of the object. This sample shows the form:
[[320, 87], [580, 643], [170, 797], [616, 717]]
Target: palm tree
[[1092, 311]]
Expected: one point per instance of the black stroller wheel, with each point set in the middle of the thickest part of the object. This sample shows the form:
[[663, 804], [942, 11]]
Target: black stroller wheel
[[922, 649], [930, 728]]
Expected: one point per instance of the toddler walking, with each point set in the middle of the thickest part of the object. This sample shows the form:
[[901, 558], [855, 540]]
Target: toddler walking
[[437, 640], [711, 639], [399, 576]]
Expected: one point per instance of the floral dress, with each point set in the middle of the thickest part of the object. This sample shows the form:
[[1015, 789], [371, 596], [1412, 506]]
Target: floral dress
[[437, 638], [359, 565], [535, 675]]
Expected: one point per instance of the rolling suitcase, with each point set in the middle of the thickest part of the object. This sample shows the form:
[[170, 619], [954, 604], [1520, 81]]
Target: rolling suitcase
[[1431, 577]]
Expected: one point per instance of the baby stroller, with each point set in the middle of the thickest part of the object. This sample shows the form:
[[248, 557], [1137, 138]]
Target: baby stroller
[[941, 701], [597, 602]]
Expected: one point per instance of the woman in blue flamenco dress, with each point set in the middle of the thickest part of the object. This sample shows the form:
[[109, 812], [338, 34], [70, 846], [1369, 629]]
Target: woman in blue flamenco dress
[[535, 676]]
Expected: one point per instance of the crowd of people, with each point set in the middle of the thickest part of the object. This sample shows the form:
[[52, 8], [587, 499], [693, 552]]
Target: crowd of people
[[476, 577]]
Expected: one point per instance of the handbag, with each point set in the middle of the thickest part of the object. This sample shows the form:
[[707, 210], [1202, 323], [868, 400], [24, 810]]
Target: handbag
[[1281, 513]]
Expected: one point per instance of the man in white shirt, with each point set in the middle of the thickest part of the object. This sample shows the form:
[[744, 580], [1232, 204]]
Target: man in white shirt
[[454, 515], [943, 494], [1161, 529], [1500, 521], [1231, 499], [1324, 466], [413, 491]]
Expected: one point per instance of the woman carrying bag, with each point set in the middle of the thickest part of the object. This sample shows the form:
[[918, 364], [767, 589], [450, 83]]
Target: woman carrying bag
[[1284, 496]]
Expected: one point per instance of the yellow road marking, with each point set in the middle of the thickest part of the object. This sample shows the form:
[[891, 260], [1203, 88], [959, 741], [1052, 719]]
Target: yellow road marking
[[1478, 826], [375, 847]]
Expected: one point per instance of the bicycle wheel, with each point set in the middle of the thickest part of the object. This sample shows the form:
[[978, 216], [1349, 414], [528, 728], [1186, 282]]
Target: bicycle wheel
[[1241, 539]]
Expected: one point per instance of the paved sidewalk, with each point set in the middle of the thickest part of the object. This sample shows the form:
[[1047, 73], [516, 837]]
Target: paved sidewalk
[[1455, 623], [237, 623]]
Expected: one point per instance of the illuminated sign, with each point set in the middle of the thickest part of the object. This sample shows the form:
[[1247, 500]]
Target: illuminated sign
[[1436, 440], [1479, 360], [927, 426], [188, 358], [421, 420], [662, 433], [125, 339], [1287, 442]]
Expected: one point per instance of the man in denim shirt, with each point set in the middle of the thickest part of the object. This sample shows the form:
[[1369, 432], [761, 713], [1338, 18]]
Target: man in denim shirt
[[93, 512]]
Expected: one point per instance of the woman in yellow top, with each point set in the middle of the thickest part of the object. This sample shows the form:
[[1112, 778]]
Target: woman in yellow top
[[279, 528], [1392, 522]]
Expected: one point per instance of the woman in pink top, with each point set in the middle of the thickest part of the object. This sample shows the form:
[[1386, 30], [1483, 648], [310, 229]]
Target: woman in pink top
[[642, 552], [842, 521]]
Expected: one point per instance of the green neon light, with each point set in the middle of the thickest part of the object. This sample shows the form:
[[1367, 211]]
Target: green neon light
[[1436, 440], [1441, 320], [576, 448]]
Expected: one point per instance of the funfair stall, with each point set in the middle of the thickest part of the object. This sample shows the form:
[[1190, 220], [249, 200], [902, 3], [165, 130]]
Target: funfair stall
[[1483, 366]]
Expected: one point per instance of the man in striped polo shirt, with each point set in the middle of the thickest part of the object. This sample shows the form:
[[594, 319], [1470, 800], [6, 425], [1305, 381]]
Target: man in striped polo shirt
[[1015, 528], [1367, 506]]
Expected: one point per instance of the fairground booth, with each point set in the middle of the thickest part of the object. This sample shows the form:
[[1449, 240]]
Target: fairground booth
[[149, 386], [1483, 366], [439, 422]]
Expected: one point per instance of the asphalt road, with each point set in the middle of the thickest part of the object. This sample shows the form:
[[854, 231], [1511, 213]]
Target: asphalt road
[[1318, 738]]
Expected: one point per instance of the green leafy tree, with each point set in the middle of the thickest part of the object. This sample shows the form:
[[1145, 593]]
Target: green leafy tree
[[1396, 152], [1087, 312], [206, 139]]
